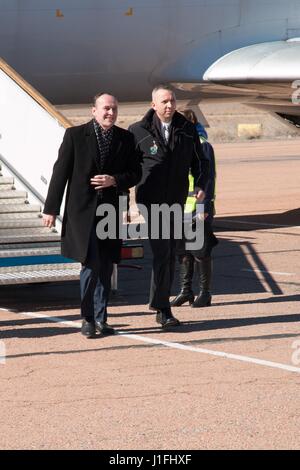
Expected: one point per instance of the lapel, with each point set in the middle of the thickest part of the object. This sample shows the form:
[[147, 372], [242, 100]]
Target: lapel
[[92, 143], [179, 123]]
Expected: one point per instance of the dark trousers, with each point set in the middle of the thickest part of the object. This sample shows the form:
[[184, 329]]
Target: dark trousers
[[95, 281], [163, 268]]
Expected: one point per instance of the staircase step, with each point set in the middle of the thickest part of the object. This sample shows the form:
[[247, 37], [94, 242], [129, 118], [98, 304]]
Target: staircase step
[[7, 187], [20, 216], [40, 273], [17, 200], [35, 234], [30, 246], [8, 207], [13, 194], [25, 231], [14, 251], [21, 223], [6, 180]]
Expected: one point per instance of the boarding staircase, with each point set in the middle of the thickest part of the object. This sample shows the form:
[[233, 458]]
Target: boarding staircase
[[30, 252]]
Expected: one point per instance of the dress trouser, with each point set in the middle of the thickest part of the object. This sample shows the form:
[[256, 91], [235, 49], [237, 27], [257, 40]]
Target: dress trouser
[[163, 268], [95, 281]]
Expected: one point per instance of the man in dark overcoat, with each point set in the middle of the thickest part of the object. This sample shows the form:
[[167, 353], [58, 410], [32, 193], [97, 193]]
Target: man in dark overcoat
[[169, 149], [97, 161]]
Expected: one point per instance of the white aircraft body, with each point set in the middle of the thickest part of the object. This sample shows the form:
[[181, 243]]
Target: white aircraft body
[[71, 49]]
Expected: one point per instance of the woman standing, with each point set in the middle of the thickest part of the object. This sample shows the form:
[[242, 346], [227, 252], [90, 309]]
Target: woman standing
[[200, 261]]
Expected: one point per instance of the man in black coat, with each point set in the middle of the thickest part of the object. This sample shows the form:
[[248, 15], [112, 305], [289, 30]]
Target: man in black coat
[[169, 149], [97, 161]]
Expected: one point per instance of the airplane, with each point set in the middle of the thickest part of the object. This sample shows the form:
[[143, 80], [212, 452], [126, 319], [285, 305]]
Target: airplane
[[69, 50], [246, 50]]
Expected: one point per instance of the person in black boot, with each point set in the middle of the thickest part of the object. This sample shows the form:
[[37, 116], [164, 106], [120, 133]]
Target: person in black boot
[[200, 261], [204, 270], [186, 271]]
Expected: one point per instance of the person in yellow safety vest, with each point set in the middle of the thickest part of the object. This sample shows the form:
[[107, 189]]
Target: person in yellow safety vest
[[191, 202], [200, 262]]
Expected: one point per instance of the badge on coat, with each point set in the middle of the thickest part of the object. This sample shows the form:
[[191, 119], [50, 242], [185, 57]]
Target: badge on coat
[[154, 148]]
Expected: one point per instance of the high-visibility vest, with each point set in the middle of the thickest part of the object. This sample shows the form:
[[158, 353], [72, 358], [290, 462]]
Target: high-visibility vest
[[191, 201]]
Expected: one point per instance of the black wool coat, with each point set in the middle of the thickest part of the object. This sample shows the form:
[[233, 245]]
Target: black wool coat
[[77, 162], [166, 167]]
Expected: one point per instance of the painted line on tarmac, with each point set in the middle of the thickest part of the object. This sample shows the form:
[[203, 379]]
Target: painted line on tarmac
[[169, 344], [268, 272]]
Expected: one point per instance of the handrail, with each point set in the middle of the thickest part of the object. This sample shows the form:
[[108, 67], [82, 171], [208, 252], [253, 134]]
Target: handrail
[[31, 91], [23, 181]]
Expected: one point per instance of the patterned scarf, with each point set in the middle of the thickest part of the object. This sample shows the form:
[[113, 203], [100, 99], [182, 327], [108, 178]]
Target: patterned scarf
[[104, 139]]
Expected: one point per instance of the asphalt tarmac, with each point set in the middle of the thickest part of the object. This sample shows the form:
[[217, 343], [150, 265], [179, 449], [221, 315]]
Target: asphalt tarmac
[[228, 378]]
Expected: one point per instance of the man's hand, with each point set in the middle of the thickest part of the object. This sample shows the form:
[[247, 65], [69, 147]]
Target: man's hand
[[49, 220], [202, 215], [103, 181], [200, 194]]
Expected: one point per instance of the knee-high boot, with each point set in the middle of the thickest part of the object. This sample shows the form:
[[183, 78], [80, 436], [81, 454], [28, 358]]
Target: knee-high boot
[[186, 272], [204, 271]]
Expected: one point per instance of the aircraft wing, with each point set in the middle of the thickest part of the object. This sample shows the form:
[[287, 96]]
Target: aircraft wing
[[265, 75]]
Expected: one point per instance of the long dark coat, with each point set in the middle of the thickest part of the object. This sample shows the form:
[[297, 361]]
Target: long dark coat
[[77, 162]]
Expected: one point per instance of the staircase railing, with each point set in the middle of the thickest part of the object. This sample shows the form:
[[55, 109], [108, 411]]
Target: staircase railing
[[31, 131]]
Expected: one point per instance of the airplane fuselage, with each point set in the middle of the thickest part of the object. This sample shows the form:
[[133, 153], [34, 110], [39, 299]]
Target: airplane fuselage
[[87, 46]]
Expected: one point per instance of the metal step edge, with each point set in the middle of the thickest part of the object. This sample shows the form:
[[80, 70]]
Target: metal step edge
[[20, 216], [15, 200], [7, 187], [8, 208], [30, 238], [41, 267], [6, 180], [25, 231], [23, 251], [24, 223], [13, 253], [31, 245], [44, 273], [13, 194]]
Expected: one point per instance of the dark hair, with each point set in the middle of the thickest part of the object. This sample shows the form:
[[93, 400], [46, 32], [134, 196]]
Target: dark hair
[[190, 115], [101, 94]]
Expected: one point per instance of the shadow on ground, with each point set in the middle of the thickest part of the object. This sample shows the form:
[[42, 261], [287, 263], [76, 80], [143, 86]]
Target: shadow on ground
[[232, 274], [259, 221]]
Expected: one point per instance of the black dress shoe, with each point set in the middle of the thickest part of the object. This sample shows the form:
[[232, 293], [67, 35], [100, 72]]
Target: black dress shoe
[[165, 318], [103, 328], [88, 329]]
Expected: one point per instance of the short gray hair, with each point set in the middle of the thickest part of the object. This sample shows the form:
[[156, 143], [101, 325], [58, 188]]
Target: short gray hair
[[163, 86]]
